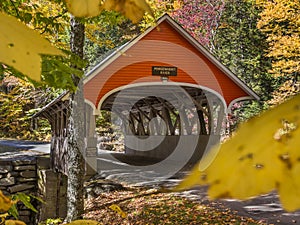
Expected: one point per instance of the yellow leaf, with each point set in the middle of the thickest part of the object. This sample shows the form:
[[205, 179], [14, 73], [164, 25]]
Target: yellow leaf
[[263, 155], [132, 9], [289, 189], [5, 202], [177, 4], [193, 179], [21, 47], [14, 222], [84, 222], [118, 210], [84, 8], [197, 176], [2, 217]]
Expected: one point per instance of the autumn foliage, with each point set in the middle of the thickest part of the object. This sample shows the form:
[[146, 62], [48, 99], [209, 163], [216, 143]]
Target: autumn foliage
[[18, 100], [280, 21], [200, 18]]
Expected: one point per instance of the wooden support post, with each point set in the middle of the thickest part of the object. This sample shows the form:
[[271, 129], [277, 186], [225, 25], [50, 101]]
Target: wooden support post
[[141, 127], [143, 117], [221, 116], [132, 123], [187, 125], [203, 130], [62, 122], [90, 151], [200, 107], [167, 118], [142, 112], [176, 125], [209, 121], [153, 123]]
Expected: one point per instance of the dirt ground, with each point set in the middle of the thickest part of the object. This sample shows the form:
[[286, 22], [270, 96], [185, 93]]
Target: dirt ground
[[265, 209]]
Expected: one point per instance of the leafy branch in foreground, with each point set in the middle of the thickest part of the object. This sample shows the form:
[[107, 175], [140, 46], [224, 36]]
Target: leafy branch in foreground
[[8, 207], [57, 72], [262, 156], [21, 47]]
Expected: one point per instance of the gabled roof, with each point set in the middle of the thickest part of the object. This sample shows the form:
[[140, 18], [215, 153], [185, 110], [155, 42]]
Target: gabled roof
[[166, 18], [56, 105]]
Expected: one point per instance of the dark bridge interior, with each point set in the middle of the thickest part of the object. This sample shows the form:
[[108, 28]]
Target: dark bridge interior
[[185, 110]]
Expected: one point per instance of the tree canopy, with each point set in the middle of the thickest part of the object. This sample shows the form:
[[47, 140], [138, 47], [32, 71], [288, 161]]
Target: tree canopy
[[241, 46], [201, 19], [280, 22]]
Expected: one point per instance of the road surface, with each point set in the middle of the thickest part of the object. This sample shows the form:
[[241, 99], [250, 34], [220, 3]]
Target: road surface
[[16, 145]]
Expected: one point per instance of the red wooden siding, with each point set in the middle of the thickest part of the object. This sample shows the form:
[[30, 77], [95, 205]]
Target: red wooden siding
[[163, 46], [165, 32]]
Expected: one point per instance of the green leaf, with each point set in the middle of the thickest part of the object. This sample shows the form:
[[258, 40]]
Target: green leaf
[[27, 18], [58, 73], [38, 198], [25, 199], [13, 211]]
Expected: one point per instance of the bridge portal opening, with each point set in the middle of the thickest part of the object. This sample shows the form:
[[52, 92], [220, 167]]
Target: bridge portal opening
[[158, 119]]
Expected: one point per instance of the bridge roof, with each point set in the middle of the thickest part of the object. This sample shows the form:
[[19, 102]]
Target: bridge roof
[[165, 48]]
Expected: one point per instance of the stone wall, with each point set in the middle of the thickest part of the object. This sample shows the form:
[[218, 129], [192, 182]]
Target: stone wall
[[28, 172], [52, 188]]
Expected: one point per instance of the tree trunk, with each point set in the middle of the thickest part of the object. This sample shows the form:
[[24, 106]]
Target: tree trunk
[[75, 159]]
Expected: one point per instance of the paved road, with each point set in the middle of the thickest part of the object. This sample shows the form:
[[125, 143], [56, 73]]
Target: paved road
[[265, 208], [16, 145]]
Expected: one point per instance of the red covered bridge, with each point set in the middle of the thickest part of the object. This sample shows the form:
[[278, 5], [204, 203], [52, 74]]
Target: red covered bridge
[[170, 93]]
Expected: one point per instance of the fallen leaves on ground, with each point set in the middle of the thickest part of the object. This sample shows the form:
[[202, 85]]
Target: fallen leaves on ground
[[158, 208], [84, 222]]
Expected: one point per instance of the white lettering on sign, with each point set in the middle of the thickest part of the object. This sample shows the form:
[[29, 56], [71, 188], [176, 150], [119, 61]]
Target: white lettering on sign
[[164, 71]]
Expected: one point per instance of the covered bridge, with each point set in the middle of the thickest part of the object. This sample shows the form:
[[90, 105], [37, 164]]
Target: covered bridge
[[171, 95]]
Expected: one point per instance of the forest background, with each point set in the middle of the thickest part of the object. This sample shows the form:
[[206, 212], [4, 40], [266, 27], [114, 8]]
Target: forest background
[[257, 40]]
